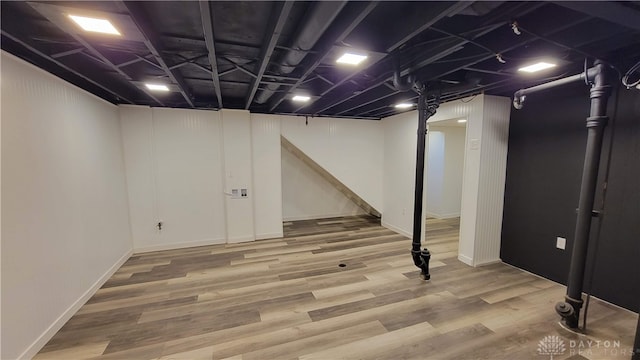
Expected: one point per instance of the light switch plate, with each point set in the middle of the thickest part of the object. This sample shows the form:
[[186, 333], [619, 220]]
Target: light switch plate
[[561, 243]]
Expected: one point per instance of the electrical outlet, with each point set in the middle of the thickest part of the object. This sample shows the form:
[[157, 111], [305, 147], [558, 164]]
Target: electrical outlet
[[561, 243]]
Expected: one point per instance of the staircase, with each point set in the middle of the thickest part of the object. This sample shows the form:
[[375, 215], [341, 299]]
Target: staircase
[[287, 145]]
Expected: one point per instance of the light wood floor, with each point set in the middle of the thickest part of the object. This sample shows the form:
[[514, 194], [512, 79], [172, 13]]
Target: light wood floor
[[289, 298]]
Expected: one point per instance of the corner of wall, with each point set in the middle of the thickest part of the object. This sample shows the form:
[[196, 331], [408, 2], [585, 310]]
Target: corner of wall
[[42, 340]]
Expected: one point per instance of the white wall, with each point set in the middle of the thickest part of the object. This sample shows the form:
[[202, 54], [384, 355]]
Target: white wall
[[351, 150], [495, 135], [307, 195], [434, 172], [174, 175], [399, 171], [267, 177], [444, 171], [64, 205], [136, 124], [236, 129], [182, 162], [482, 192]]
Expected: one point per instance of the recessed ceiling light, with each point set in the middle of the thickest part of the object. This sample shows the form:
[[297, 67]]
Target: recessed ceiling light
[[537, 67], [301, 98], [95, 25], [351, 59], [157, 87], [403, 105], [462, 121]]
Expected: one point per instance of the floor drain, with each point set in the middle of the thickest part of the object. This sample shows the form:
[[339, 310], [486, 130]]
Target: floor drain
[[342, 265]]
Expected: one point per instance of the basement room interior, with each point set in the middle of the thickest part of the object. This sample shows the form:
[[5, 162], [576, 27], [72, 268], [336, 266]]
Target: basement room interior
[[319, 180]]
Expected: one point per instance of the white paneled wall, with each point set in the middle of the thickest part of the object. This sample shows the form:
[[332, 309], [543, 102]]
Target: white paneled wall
[[445, 166], [136, 123], [434, 172], [399, 171], [267, 179], [175, 176], [482, 193], [236, 129], [65, 217], [307, 195], [495, 135], [351, 150], [182, 166], [470, 183], [188, 162]]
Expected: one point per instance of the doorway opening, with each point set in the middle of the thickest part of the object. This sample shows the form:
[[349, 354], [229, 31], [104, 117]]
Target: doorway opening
[[444, 170]]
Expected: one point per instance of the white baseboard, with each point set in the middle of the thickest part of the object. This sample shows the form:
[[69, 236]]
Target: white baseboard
[[396, 229], [465, 259], [443, 216], [324, 216], [42, 340], [487, 262], [241, 239], [161, 247], [269, 236]]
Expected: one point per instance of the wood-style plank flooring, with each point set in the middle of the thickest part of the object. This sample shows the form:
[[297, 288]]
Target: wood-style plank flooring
[[290, 298]]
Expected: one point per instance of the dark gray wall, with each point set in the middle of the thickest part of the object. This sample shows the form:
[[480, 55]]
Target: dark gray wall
[[546, 153]]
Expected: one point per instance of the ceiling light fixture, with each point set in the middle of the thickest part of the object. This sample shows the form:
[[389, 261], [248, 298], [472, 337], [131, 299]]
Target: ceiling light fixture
[[403, 105], [301, 98], [95, 25], [157, 87], [542, 65], [462, 121], [351, 59]]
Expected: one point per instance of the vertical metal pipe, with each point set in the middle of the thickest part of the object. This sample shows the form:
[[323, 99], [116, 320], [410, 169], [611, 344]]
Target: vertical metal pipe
[[596, 123], [636, 344], [421, 257], [418, 195]]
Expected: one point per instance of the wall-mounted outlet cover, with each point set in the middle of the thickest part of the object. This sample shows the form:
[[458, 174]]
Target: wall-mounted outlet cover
[[561, 243]]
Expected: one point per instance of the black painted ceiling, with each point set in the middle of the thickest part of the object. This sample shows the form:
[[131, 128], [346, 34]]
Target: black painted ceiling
[[256, 54]]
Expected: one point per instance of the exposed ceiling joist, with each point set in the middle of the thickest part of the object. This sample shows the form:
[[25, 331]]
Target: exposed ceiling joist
[[152, 43], [606, 10], [45, 10], [416, 23], [93, 51], [502, 45], [207, 27], [438, 51], [63, 66], [67, 53], [348, 19], [281, 13], [257, 55]]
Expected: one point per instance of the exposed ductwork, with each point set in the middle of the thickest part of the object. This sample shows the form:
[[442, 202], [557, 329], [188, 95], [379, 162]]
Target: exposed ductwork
[[398, 82], [315, 23]]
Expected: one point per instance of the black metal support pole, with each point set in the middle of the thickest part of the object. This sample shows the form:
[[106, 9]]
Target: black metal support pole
[[600, 78], [636, 344], [421, 257], [596, 122]]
